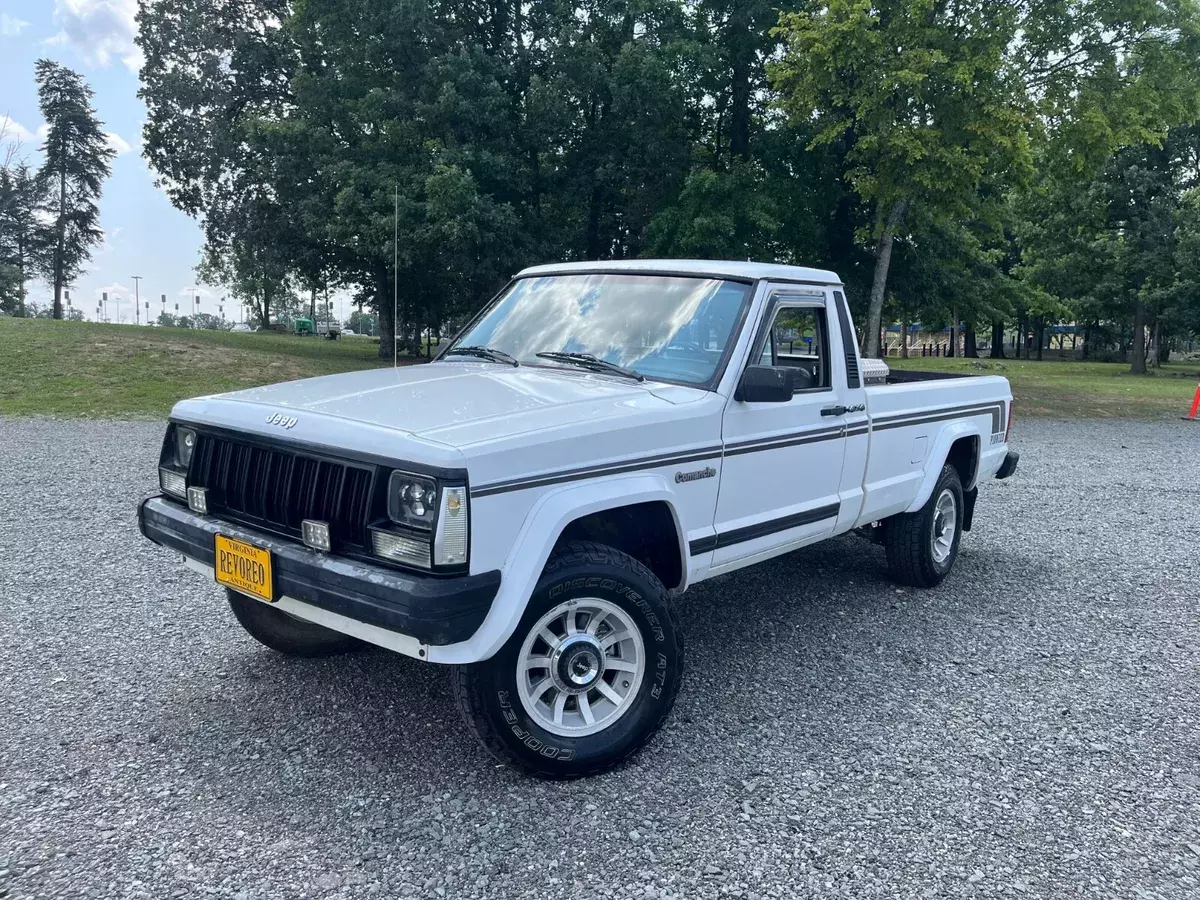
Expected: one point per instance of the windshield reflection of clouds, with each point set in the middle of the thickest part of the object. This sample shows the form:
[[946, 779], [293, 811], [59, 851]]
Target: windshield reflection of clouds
[[661, 326]]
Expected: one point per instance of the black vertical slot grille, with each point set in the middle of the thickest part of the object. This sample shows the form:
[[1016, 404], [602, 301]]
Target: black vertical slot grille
[[279, 489]]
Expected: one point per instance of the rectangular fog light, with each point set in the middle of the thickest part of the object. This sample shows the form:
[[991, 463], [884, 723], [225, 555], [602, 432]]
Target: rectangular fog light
[[198, 500], [172, 483], [400, 549], [316, 534]]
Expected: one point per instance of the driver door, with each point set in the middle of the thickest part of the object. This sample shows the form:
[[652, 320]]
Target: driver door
[[783, 461]]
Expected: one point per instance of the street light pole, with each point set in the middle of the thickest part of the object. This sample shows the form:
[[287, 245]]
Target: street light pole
[[137, 298]]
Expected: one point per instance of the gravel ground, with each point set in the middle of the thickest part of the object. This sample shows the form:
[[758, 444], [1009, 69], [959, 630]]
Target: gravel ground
[[1029, 729]]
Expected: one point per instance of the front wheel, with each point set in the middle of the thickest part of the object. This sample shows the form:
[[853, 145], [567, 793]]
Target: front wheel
[[922, 546], [589, 675]]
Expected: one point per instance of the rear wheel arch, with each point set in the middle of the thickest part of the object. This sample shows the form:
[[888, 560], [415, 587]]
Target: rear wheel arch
[[963, 455], [957, 446]]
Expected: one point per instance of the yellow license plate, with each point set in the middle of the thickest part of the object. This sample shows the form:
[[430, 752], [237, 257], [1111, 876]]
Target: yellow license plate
[[244, 568]]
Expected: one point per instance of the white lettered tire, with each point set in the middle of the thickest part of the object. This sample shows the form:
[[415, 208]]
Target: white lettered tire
[[590, 674]]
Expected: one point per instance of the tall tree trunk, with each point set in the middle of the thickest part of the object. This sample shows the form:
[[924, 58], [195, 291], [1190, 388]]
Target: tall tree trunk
[[1137, 362], [998, 339], [970, 350], [1157, 357], [593, 224], [60, 249], [1039, 334], [312, 304], [953, 330], [387, 321], [741, 54], [883, 259], [904, 338], [1087, 340], [21, 254]]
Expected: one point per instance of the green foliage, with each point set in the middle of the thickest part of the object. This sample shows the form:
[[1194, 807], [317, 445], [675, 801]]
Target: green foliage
[[1123, 243], [22, 241], [306, 134], [919, 90], [11, 290]]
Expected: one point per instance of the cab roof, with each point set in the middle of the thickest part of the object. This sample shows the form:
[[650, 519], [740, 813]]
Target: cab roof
[[712, 268]]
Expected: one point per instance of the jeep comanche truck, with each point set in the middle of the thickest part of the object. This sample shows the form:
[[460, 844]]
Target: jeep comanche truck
[[527, 507]]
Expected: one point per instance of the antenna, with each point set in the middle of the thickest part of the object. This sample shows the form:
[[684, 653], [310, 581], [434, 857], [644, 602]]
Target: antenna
[[395, 272]]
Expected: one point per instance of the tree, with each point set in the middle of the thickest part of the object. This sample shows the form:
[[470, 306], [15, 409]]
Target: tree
[[461, 142], [21, 244], [937, 101], [11, 290], [76, 163], [1118, 246], [921, 96], [247, 250]]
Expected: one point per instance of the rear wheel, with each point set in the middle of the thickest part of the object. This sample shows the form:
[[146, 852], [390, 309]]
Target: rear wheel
[[285, 633], [922, 546], [589, 675]]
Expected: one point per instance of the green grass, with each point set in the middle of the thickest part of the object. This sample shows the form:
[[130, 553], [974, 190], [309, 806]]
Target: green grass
[[83, 369], [1069, 389]]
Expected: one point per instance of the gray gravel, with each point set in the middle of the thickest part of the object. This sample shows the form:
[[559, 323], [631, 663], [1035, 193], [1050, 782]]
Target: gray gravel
[[1029, 729]]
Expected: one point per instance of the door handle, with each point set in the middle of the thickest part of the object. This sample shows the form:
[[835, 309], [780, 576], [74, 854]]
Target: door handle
[[834, 411]]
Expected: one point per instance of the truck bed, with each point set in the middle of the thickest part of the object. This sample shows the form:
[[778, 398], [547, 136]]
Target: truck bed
[[908, 376]]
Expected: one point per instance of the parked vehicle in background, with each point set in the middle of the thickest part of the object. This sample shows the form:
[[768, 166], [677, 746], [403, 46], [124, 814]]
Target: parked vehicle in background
[[304, 327], [525, 508], [241, 328], [330, 330]]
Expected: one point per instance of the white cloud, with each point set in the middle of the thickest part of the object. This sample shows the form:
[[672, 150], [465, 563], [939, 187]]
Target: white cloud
[[117, 143], [11, 130], [99, 30], [11, 26], [116, 293]]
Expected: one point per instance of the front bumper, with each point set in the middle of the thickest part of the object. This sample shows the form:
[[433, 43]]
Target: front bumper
[[1009, 465], [434, 610]]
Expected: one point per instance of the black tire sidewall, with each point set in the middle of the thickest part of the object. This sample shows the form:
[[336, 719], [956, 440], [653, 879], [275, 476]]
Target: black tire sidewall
[[947, 480], [644, 600]]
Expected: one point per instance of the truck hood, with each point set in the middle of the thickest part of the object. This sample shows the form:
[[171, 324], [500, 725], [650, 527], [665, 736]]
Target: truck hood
[[454, 403]]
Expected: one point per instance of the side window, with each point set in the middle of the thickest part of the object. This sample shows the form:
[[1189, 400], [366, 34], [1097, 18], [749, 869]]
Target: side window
[[797, 339]]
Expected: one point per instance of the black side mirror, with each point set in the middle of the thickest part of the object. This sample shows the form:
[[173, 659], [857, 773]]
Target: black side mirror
[[766, 384]]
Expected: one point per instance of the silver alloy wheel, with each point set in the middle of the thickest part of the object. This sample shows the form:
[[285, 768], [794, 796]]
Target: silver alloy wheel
[[580, 667], [945, 523]]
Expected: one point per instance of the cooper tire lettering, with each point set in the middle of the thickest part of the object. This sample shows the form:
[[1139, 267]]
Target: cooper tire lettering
[[503, 721]]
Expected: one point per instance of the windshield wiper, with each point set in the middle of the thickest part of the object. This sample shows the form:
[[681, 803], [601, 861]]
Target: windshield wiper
[[588, 361], [485, 353]]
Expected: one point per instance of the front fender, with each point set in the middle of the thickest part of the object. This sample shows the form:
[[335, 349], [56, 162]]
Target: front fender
[[937, 458], [550, 514]]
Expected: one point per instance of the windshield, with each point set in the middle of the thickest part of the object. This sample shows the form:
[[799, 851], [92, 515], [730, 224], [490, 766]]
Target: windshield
[[662, 327]]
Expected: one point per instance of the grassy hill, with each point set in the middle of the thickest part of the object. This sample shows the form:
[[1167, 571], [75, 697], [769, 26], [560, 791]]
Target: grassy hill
[[84, 369], [91, 370]]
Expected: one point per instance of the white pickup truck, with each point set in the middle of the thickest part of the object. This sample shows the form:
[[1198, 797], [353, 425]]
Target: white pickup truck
[[528, 507]]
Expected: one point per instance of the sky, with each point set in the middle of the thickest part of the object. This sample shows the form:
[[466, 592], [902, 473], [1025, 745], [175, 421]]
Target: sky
[[143, 234]]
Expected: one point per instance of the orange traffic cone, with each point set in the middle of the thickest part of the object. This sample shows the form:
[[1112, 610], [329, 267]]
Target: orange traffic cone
[[1191, 416]]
